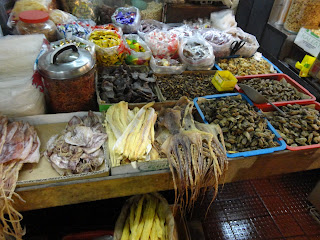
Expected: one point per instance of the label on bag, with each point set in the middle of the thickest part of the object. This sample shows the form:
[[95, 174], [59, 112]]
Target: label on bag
[[308, 41]]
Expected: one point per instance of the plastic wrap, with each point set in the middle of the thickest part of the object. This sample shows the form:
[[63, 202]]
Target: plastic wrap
[[109, 26], [196, 53], [167, 66], [220, 42], [183, 31], [251, 43], [223, 20], [61, 17], [163, 43], [25, 5], [75, 28], [138, 51], [110, 48], [127, 18], [149, 25]]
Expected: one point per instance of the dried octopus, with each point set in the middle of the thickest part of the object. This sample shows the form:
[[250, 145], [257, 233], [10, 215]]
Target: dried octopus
[[195, 154], [274, 90], [243, 128], [300, 126]]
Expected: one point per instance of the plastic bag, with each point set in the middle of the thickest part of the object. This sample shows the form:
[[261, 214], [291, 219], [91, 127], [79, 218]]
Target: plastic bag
[[75, 28], [196, 53], [251, 43], [110, 48], [149, 25], [183, 31], [166, 213], [163, 43], [61, 17], [109, 26], [167, 66], [220, 42], [127, 18], [223, 20], [138, 51]]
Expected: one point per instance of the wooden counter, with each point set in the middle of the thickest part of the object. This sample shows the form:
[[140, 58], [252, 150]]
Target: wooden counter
[[58, 194]]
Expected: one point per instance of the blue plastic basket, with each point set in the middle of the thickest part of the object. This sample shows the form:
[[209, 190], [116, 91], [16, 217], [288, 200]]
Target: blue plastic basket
[[274, 66], [247, 153]]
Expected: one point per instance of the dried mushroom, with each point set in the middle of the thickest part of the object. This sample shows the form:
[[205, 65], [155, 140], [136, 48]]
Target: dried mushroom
[[122, 84], [300, 127], [246, 66], [274, 90], [243, 128], [191, 85]]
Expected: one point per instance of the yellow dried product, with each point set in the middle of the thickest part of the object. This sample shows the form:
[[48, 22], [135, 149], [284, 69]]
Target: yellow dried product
[[303, 13]]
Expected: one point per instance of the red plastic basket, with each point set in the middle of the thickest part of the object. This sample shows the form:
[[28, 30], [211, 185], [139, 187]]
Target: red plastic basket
[[271, 109], [278, 76]]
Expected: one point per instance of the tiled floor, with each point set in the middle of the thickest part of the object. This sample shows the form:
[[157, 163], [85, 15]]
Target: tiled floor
[[270, 208]]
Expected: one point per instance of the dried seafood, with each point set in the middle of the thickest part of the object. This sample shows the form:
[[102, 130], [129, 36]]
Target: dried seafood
[[243, 128], [19, 144], [191, 85], [78, 148], [246, 66], [274, 90], [131, 133], [121, 84], [196, 156], [300, 127]]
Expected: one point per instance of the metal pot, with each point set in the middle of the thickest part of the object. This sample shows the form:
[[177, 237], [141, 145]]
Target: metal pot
[[69, 78]]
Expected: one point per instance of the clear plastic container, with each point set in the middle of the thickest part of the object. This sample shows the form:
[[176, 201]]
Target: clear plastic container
[[35, 21], [303, 13]]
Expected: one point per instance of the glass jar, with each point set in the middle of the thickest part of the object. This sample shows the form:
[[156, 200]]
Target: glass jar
[[36, 21], [303, 13]]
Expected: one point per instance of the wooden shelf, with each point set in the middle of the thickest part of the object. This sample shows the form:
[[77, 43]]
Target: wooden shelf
[[64, 193]]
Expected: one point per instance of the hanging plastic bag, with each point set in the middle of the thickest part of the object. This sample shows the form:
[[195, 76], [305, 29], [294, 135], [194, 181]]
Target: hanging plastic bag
[[220, 42], [251, 43], [223, 20], [196, 53], [149, 25], [163, 43], [61, 17], [110, 48], [167, 66], [127, 18], [138, 51]]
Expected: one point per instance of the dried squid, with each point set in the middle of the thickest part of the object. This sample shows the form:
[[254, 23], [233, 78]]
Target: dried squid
[[196, 157], [19, 144]]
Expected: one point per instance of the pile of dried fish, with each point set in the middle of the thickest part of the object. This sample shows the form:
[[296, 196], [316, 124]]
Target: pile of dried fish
[[243, 128], [196, 157], [19, 144], [274, 90], [246, 66], [191, 85], [78, 148], [300, 126], [130, 133], [122, 84]]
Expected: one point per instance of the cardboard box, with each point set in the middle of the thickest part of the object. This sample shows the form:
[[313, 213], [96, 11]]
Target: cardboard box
[[308, 41], [42, 173]]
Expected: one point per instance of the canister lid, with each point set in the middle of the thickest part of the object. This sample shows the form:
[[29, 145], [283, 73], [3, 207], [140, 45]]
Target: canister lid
[[34, 16], [65, 62]]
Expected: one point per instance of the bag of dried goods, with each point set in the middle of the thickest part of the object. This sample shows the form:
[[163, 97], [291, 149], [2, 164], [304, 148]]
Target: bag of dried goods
[[196, 53], [127, 18], [251, 43], [21, 88], [145, 217], [220, 41], [183, 31], [163, 43], [109, 26], [61, 17], [110, 48], [149, 25], [167, 66], [76, 28], [223, 20], [153, 11], [138, 51]]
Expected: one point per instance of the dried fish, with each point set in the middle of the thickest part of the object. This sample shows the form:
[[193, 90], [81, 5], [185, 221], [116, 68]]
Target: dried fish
[[300, 126], [174, 87], [245, 132]]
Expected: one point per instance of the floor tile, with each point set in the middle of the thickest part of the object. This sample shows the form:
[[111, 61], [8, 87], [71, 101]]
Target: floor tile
[[254, 207], [244, 229], [234, 209], [287, 225], [266, 227], [275, 205], [309, 225], [298, 238], [316, 237], [263, 187], [221, 230], [236, 190]]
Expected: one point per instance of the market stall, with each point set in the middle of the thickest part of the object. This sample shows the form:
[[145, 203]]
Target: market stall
[[108, 102]]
